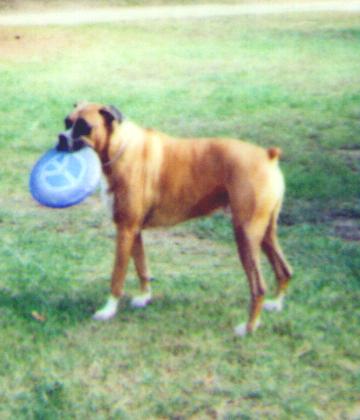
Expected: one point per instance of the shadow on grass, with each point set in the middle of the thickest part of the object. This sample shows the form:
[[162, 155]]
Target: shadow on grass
[[38, 308]]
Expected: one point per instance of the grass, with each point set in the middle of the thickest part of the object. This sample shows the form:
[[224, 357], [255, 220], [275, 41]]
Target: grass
[[290, 82]]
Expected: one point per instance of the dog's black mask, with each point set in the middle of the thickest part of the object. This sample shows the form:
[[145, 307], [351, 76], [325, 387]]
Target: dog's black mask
[[71, 139]]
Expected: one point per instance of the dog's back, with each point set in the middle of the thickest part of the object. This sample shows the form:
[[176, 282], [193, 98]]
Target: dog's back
[[196, 177]]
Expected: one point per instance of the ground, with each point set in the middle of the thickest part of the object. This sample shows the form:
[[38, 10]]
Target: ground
[[287, 81]]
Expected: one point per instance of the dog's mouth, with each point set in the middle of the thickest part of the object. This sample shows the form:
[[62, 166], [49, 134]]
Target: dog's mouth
[[73, 139], [68, 144]]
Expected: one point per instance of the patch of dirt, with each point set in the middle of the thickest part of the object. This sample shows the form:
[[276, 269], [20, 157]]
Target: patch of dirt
[[351, 154], [347, 225], [22, 44], [100, 15], [347, 228]]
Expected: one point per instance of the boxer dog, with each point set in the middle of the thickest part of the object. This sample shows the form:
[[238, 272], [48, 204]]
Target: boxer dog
[[157, 180]]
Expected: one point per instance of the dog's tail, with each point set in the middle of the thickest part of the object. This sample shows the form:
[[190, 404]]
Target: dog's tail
[[274, 153]]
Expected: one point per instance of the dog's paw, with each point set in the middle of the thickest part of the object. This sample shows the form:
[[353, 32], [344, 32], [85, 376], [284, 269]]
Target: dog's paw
[[274, 305], [141, 301], [103, 315], [242, 329], [108, 311]]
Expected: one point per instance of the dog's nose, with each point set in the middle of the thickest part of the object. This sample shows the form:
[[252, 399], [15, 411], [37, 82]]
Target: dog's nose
[[63, 145]]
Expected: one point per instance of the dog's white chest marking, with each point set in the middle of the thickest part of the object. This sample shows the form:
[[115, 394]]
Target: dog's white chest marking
[[107, 197]]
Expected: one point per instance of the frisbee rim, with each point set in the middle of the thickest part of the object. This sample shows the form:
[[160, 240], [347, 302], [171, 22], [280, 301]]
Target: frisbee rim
[[67, 197]]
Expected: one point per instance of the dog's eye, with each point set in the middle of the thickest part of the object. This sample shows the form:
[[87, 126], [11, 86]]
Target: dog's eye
[[81, 128], [68, 123]]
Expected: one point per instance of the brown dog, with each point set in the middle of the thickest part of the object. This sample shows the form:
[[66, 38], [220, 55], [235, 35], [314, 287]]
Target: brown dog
[[158, 180]]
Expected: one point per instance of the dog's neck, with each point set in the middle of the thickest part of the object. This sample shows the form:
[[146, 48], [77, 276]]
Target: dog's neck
[[117, 156], [125, 136]]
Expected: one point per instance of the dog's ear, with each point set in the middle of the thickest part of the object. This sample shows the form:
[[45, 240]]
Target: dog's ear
[[110, 113]]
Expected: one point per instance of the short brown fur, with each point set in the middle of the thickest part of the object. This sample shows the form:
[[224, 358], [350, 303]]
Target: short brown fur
[[158, 180]]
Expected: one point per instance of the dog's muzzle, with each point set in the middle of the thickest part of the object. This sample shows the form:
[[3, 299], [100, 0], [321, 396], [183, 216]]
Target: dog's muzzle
[[67, 144]]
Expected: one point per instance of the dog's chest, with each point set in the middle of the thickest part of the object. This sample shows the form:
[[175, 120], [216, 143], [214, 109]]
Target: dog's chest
[[107, 197]]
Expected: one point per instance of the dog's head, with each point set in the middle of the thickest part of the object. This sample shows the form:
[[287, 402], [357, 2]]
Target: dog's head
[[88, 125]]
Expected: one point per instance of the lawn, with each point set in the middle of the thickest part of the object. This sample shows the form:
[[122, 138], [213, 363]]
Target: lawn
[[289, 81]]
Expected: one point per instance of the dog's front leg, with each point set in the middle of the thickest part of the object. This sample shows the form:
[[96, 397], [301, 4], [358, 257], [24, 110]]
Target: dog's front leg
[[124, 245]]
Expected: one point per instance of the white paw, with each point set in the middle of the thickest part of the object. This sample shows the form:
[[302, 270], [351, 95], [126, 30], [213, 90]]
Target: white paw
[[275, 305], [141, 301], [108, 311], [241, 329]]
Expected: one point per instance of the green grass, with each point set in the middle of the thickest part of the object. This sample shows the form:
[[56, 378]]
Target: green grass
[[286, 81]]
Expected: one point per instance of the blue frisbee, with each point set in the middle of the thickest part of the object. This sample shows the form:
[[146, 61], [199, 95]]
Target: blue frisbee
[[63, 179]]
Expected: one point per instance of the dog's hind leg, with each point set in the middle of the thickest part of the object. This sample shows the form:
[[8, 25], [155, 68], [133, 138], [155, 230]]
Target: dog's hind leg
[[139, 257], [248, 238], [282, 269]]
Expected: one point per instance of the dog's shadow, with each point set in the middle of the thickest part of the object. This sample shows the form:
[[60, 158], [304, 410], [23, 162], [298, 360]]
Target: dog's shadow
[[49, 315], [37, 307]]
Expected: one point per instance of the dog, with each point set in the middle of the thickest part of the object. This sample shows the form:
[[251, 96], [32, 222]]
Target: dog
[[157, 180]]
